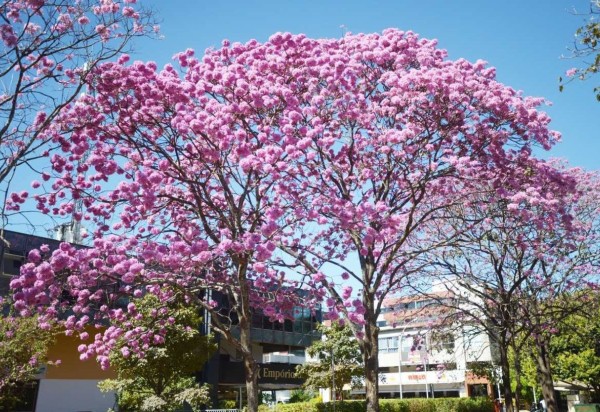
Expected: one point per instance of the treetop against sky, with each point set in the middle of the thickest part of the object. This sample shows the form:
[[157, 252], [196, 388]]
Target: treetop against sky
[[524, 41]]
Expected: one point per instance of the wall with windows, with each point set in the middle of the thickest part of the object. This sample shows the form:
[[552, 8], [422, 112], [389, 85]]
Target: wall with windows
[[418, 357], [71, 385]]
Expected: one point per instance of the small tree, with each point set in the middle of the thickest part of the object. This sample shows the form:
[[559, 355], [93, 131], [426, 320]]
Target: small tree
[[163, 379], [339, 360], [512, 265], [23, 350], [575, 351]]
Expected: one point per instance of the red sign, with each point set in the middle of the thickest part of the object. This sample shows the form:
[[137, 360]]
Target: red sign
[[417, 377]]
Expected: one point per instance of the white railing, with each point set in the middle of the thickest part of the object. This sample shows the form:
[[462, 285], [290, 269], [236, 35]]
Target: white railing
[[283, 358], [221, 410]]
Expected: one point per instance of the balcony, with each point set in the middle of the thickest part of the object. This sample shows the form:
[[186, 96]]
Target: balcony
[[283, 358]]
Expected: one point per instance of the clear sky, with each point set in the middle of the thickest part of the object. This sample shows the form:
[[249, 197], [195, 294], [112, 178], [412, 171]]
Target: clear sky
[[523, 39]]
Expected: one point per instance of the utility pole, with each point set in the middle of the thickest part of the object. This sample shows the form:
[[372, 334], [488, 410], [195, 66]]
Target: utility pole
[[333, 378]]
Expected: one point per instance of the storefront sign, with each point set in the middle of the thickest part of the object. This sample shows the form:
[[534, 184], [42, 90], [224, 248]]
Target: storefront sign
[[274, 373], [268, 372], [416, 377]]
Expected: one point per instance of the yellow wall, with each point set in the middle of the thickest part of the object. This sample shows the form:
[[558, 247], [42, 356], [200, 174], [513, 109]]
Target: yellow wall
[[65, 349]]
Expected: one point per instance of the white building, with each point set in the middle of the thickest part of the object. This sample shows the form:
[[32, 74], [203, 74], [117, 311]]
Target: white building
[[420, 355]]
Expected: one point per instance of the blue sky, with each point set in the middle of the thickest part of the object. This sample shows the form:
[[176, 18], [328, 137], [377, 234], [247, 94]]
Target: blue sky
[[523, 39]]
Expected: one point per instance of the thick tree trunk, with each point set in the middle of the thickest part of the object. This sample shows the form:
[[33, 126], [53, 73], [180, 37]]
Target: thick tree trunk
[[545, 373], [251, 367], [595, 394], [518, 389], [505, 366], [251, 385], [370, 348], [518, 374]]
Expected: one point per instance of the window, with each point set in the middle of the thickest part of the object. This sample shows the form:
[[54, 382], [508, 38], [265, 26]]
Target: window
[[388, 369], [443, 341], [257, 319], [298, 326], [287, 325], [388, 345]]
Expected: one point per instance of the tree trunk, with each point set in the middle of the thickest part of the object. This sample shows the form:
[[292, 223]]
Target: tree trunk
[[545, 373], [244, 313], [370, 348], [250, 367], [518, 373], [505, 366], [518, 389], [595, 394]]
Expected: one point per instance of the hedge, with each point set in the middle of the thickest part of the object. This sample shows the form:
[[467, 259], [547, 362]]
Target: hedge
[[391, 405]]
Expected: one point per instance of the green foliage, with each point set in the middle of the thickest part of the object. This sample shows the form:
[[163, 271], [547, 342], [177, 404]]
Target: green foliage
[[301, 395], [163, 379], [576, 349], [484, 370], [528, 375], [587, 42], [228, 404], [340, 342], [23, 349], [392, 405], [437, 405]]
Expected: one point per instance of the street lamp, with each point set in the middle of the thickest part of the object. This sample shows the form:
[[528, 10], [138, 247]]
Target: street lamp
[[400, 363], [332, 379]]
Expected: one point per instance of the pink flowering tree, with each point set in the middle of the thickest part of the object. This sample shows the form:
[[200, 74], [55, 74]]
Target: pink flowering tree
[[328, 158], [571, 265], [510, 273], [393, 135], [48, 49], [179, 174]]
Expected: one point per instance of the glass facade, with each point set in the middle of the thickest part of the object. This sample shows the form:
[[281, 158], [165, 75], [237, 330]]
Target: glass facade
[[301, 330]]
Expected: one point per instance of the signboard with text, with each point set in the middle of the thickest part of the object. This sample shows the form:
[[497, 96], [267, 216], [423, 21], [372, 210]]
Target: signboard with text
[[272, 373]]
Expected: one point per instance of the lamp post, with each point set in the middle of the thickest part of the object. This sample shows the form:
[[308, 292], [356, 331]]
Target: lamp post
[[400, 364], [332, 379]]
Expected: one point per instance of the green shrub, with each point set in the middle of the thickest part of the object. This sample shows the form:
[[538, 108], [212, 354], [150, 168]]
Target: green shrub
[[394, 405], [228, 404], [290, 407], [301, 395], [343, 406], [391, 405]]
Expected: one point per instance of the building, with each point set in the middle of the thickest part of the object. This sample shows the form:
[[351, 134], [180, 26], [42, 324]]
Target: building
[[277, 347], [72, 385], [422, 355]]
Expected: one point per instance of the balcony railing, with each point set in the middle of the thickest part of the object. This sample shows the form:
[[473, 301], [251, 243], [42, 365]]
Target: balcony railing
[[283, 358]]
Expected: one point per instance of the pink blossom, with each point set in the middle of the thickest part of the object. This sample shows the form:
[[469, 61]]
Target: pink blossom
[[572, 72], [346, 292]]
